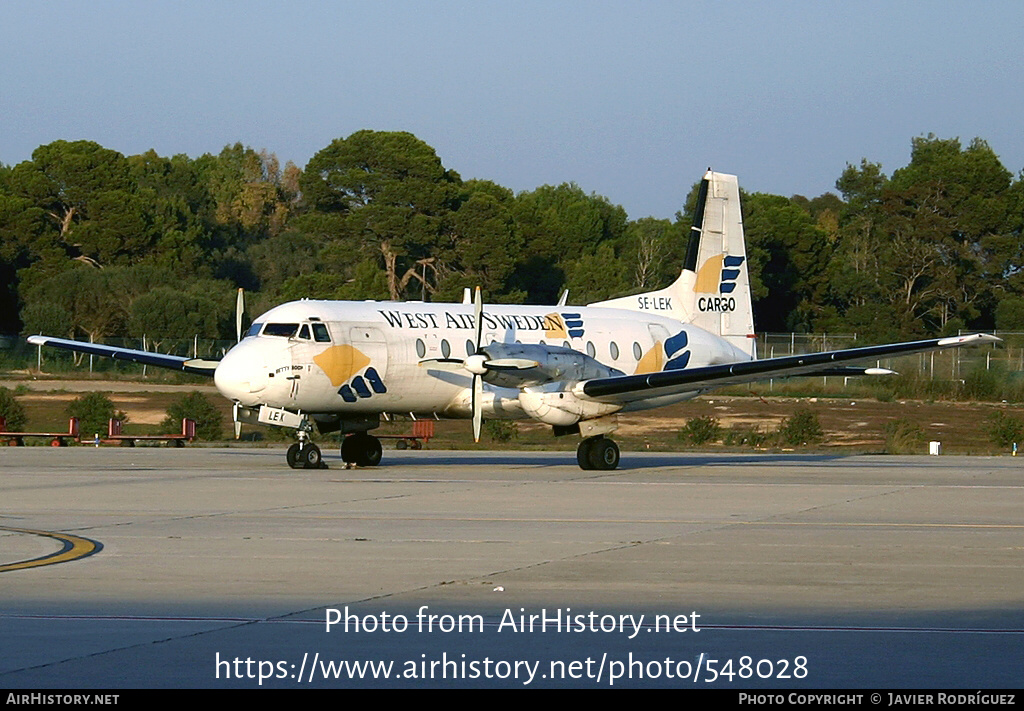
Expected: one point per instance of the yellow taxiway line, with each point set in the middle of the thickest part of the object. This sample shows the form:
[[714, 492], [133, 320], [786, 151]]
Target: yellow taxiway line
[[73, 548]]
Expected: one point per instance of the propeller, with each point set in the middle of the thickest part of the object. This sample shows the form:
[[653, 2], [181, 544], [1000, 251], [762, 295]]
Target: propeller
[[239, 309], [479, 363]]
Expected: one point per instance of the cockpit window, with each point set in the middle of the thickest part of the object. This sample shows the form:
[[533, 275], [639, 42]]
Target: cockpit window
[[254, 330], [320, 333], [304, 331], [281, 329]]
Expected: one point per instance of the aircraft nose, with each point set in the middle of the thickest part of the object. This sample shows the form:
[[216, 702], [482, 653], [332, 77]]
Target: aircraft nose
[[240, 375]]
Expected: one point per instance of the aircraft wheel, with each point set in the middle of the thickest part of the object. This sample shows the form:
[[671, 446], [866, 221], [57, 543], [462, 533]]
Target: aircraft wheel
[[311, 456], [604, 454], [371, 451], [293, 457], [350, 449], [583, 453], [362, 449], [401, 444]]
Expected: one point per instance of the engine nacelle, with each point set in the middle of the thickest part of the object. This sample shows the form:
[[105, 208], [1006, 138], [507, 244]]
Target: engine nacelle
[[554, 364], [563, 408]]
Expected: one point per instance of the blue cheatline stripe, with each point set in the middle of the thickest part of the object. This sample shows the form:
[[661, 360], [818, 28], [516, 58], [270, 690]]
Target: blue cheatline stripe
[[727, 287], [730, 274], [733, 261], [346, 394]]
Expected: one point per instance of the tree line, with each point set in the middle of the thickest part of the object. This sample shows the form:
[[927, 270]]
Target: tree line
[[94, 244]]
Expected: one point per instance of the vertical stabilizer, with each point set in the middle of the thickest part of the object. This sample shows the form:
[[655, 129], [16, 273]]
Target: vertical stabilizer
[[713, 288]]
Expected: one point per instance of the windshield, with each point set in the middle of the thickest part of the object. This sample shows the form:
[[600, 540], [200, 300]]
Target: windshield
[[281, 329]]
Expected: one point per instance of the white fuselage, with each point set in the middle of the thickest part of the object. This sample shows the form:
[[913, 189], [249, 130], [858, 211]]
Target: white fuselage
[[357, 358]]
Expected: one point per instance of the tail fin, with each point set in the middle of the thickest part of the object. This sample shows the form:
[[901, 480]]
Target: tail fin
[[713, 288]]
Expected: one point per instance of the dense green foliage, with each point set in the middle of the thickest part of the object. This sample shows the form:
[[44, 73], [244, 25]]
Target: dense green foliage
[[501, 430], [802, 427], [904, 436], [100, 245], [701, 430], [94, 410], [1005, 429], [12, 411], [198, 407]]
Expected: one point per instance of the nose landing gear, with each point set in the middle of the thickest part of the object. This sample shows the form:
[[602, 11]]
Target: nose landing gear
[[305, 455]]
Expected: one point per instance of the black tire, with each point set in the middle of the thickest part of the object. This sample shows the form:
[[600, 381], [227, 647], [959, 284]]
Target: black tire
[[311, 456], [401, 444], [350, 449], [293, 457], [583, 453], [604, 454], [371, 451]]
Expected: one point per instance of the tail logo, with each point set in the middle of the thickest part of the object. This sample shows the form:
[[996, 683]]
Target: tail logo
[[730, 273], [564, 325], [718, 274]]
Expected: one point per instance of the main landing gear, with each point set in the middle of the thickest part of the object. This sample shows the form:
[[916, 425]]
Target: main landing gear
[[598, 453], [361, 449]]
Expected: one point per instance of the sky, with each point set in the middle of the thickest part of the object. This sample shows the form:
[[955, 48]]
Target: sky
[[632, 101]]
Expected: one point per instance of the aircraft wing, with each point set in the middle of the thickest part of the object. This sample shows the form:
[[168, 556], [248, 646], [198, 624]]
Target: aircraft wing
[[629, 388], [197, 366]]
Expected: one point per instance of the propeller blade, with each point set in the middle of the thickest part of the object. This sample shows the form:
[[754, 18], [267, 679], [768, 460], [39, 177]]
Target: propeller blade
[[239, 308], [478, 313], [478, 406]]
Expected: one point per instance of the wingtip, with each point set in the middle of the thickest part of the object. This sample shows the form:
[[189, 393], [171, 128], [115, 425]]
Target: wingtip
[[970, 339]]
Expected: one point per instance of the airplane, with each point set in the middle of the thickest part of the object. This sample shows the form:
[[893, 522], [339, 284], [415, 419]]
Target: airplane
[[342, 365]]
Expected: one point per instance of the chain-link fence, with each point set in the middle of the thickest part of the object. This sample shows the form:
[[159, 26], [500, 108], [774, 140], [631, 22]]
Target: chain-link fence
[[952, 364], [16, 354]]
